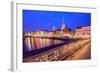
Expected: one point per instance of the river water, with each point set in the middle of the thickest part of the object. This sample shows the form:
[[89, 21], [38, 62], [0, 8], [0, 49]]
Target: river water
[[31, 43]]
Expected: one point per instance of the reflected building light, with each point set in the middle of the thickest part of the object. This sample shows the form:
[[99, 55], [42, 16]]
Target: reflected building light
[[33, 43], [29, 43], [37, 43]]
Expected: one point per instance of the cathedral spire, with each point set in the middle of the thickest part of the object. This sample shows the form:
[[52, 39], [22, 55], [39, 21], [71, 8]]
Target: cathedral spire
[[63, 25], [63, 21]]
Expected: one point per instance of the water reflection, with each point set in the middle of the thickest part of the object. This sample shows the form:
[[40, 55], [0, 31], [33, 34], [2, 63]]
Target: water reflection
[[33, 43]]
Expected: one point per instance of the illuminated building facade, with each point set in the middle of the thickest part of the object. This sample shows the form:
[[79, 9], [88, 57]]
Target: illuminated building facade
[[84, 31]]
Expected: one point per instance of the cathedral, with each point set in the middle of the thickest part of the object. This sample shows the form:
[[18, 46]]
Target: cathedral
[[64, 28]]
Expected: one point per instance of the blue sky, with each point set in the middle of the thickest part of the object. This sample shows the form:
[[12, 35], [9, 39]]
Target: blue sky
[[44, 20]]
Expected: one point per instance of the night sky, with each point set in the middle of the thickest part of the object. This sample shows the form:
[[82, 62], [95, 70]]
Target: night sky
[[45, 20]]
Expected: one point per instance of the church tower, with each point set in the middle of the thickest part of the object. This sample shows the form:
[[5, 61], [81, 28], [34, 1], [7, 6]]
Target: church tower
[[63, 25], [64, 28]]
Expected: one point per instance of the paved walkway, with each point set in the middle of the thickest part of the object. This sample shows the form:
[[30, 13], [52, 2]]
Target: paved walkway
[[83, 53]]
